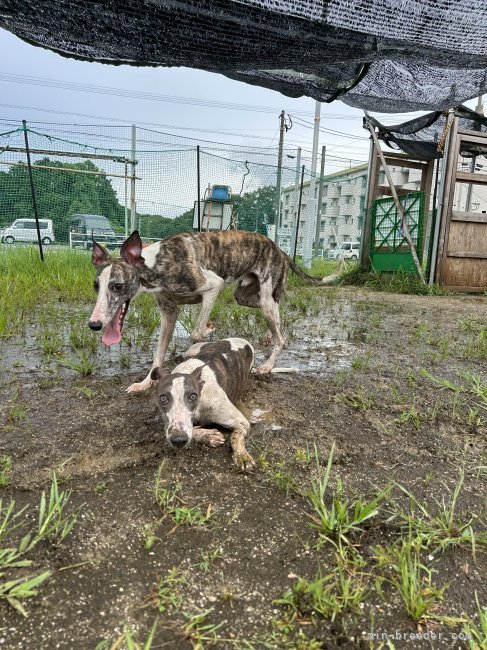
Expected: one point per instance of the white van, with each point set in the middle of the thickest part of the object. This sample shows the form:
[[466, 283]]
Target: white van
[[25, 230], [349, 250]]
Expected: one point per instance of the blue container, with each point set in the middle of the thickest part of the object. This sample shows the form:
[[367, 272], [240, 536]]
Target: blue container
[[220, 193]]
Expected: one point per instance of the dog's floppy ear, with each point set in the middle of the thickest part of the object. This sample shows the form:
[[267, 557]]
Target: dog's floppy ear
[[131, 250], [158, 373], [197, 375], [100, 256]]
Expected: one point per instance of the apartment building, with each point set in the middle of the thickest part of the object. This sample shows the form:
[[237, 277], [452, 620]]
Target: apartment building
[[342, 206]]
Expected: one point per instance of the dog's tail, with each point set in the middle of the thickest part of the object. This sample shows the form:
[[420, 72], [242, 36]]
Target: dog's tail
[[328, 279]]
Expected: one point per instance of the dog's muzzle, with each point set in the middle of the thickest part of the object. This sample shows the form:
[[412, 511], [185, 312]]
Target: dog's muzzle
[[95, 325]]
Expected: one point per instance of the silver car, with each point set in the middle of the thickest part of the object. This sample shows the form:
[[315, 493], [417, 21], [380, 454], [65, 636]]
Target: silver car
[[25, 230]]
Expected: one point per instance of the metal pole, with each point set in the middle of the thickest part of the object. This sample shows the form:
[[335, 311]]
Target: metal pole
[[399, 207], [433, 215], [198, 181], [320, 198], [126, 202], [311, 206], [296, 196], [32, 189], [279, 173], [299, 214], [133, 215]]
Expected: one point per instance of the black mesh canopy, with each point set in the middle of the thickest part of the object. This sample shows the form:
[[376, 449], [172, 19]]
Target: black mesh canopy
[[381, 55], [419, 137]]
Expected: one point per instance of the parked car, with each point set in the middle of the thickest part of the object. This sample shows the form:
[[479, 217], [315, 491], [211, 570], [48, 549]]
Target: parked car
[[83, 228], [25, 230], [349, 250]]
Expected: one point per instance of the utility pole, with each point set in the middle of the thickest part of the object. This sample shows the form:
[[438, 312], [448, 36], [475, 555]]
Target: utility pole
[[282, 127], [480, 110], [310, 223], [320, 198], [294, 222], [133, 225]]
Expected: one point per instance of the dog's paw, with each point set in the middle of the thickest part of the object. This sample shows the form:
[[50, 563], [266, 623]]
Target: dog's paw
[[243, 460], [140, 386], [264, 369], [210, 437]]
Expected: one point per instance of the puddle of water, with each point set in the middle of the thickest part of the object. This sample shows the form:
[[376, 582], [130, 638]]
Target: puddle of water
[[318, 344]]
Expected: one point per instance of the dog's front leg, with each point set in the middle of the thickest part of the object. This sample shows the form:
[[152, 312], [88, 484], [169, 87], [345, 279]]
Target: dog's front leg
[[209, 293], [169, 316]]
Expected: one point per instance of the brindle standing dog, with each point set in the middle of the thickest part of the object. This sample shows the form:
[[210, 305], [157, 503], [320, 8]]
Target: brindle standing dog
[[188, 269], [203, 390]]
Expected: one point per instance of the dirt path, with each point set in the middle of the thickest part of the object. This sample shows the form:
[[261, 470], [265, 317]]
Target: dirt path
[[362, 387]]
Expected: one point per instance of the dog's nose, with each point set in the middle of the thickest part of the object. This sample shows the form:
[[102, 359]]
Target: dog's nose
[[179, 440], [95, 325]]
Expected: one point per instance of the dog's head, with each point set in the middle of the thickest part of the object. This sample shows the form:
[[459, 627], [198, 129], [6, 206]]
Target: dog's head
[[178, 396], [116, 283]]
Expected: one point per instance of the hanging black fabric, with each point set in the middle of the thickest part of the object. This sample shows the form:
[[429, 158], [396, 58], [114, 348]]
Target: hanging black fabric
[[379, 55], [417, 137]]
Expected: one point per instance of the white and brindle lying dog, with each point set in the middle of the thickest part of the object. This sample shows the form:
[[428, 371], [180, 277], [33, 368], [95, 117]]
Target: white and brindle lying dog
[[203, 390], [189, 269]]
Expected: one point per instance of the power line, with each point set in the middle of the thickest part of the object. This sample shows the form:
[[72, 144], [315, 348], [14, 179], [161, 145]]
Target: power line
[[135, 94]]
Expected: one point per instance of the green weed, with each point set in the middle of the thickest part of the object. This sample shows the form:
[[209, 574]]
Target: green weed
[[5, 470], [344, 516]]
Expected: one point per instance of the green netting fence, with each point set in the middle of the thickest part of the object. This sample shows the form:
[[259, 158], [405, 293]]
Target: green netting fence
[[104, 181]]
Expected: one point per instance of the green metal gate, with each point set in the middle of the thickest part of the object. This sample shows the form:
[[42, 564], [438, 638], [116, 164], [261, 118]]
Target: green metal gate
[[389, 249]]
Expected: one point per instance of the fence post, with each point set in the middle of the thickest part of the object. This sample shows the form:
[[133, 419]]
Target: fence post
[[320, 198], [32, 189], [198, 184], [133, 215], [299, 214]]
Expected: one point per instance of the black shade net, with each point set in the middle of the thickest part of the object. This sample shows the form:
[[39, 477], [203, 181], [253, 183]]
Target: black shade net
[[419, 137], [380, 55]]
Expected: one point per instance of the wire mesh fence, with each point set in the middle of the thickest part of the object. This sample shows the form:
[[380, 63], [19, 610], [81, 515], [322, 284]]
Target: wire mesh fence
[[101, 182]]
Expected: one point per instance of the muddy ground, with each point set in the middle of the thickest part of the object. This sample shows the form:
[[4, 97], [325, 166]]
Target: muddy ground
[[360, 385]]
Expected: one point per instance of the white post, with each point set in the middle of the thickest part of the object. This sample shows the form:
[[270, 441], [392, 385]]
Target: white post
[[310, 221], [133, 225], [297, 183]]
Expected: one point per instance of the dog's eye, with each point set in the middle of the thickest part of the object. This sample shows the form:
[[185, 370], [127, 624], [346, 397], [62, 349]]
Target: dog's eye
[[192, 397], [117, 287], [164, 399]]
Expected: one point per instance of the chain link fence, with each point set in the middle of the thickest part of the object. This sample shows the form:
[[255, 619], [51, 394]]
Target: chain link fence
[[101, 182]]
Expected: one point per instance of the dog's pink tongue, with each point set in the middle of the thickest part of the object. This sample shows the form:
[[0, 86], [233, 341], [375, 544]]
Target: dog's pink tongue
[[113, 333]]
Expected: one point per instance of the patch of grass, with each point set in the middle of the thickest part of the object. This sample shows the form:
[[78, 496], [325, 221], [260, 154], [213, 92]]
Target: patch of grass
[[411, 579], [283, 478], [166, 593], [5, 470], [84, 364], [473, 385], [443, 528], [15, 591], [173, 506], [209, 557], [329, 596], [54, 521], [54, 524], [198, 632], [128, 640], [65, 276], [477, 634], [358, 401], [399, 282], [344, 516]]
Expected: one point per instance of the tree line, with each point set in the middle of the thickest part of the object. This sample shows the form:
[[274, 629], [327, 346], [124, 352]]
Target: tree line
[[61, 192]]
